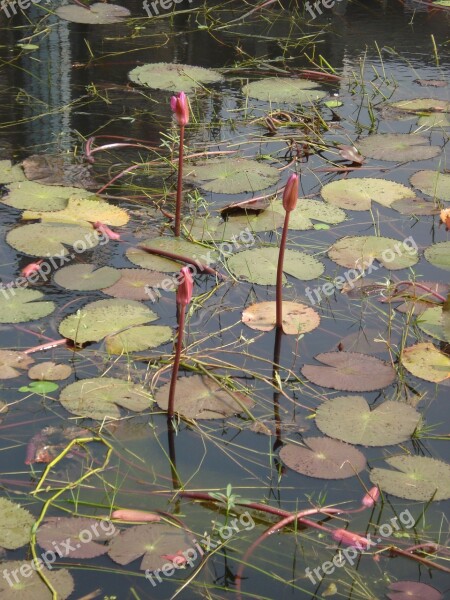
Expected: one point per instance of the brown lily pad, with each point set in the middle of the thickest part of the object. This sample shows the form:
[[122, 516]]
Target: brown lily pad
[[133, 284], [33, 587], [11, 361], [297, 318], [49, 371], [412, 590]]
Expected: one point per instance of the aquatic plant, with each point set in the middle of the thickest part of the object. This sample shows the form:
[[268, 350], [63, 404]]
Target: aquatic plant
[[180, 108]]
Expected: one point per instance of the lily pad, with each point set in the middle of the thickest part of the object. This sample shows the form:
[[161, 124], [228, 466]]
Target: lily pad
[[434, 121], [82, 211], [431, 322], [33, 587], [50, 371], [307, 211], [282, 89], [100, 397], [412, 590], [137, 339], [55, 531], [16, 525], [350, 372], [432, 183], [427, 362], [415, 206], [40, 387], [132, 283], [439, 255], [349, 418], [416, 478], [215, 229], [95, 14], [98, 319], [260, 265], [173, 77], [21, 305], [420, 105], [10, 173], [86, 277], [49, 239], [323, 458], [11, 361], [29, 195], [297, 318], [361, 251], [50, 169], [359, 193], [397, 147], [416, 300], [153, 542], [232, 175], [200, 397]]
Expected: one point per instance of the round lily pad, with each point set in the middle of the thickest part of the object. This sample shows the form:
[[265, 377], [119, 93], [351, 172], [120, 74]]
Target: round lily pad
[[40, 387], [137, 339], [32, 587], [132, 283], [297, 318], [359, 193], [439, 255], [173, 77], [349, 418], [434, 121], [95, 14], [416, 478], [57, 530], [10, 173], [412, 590], [86, 277], [83, 211], [360, 252], [432, 323], [350, 372], [21, 305], [16, 525], [282, 89], [234, 228], [49, 239], [307, 211], [30, 195], [233, 175], [427, 362], [259, 265], [100, 397], [199, 397], [420, 105], [50, 371], [415, 206], [397, 147], [11, 361], [104, 317], [323, 458], [432, 183]]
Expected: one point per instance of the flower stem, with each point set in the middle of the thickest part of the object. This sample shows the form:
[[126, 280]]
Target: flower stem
[[176, 362], [179, 183], [279, 291]]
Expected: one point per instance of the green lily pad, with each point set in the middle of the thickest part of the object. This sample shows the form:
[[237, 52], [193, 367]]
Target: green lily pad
[[83, 211], [359, 193], [33, 587], [282, 89], [137, 339], [209, 229], [16, 525], [333, 103], [434, 121], [40, 387], [49, 239], [307, 211], [95, 14], [100, 397], [432, 183], [10, 173], [427, 362], [414, 478], [86, 277], [397, 147], [173, 77], [439, 255], [20, 306], [232, 175], [360, 252], [259, 265], [30, 195], [350, 419], [421, 105], [98, 319], [431, 322]]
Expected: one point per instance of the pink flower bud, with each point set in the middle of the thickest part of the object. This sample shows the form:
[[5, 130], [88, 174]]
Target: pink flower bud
[[180, 108], [127, 514], [184, 290], [106, 231], [348, 538], [371, 497], [290, 194], [31, 268]]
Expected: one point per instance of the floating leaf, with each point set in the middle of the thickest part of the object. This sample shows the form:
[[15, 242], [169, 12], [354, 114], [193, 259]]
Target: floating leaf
[[364, 341], [350, 372], [415, 206], [138, 338], [11, 361], [16, 525], [173, 77], [208, 229], [412, 590], [86, 277], [282, 89], [10, 173], [349, 418], [104, 317], [20, 306], [4, 408], [100, 397], [323, 458], [95, 14], [232, 175], [416, 478], [415, 299], [83, 211], [430, 321], [50, 371], [153, 542], [133, 283], [29, 195], [432, 183], [420, 105], [359, 193], [398, 146], [360, 252], [200, 397], [350, 153], [40, 387], [297, 318], [427, 362], [49, 239], [48, 169], [32, 587], [260, 265], [333, 103], [55, 531], [439, 255], [435, 120], [308, 210]]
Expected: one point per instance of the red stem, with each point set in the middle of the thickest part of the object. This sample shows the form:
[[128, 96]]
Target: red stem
[[279, 291], [181, 258], [176, 362], [422, 287], [46, 346], [179, 183]]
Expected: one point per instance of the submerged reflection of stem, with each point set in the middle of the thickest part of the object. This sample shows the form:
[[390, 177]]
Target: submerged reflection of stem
[[176, 483]]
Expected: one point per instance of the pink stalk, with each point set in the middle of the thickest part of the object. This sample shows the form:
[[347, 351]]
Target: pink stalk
[[180, 108], [420, 286]]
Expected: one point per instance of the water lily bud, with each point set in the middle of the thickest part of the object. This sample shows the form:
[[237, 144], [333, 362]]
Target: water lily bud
[[31, 268], [184, 290], [371, 497], [350, 539], [290, 194], [180, 108]]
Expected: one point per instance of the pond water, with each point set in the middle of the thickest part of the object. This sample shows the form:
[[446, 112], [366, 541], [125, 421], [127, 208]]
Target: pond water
[[65, 82]]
